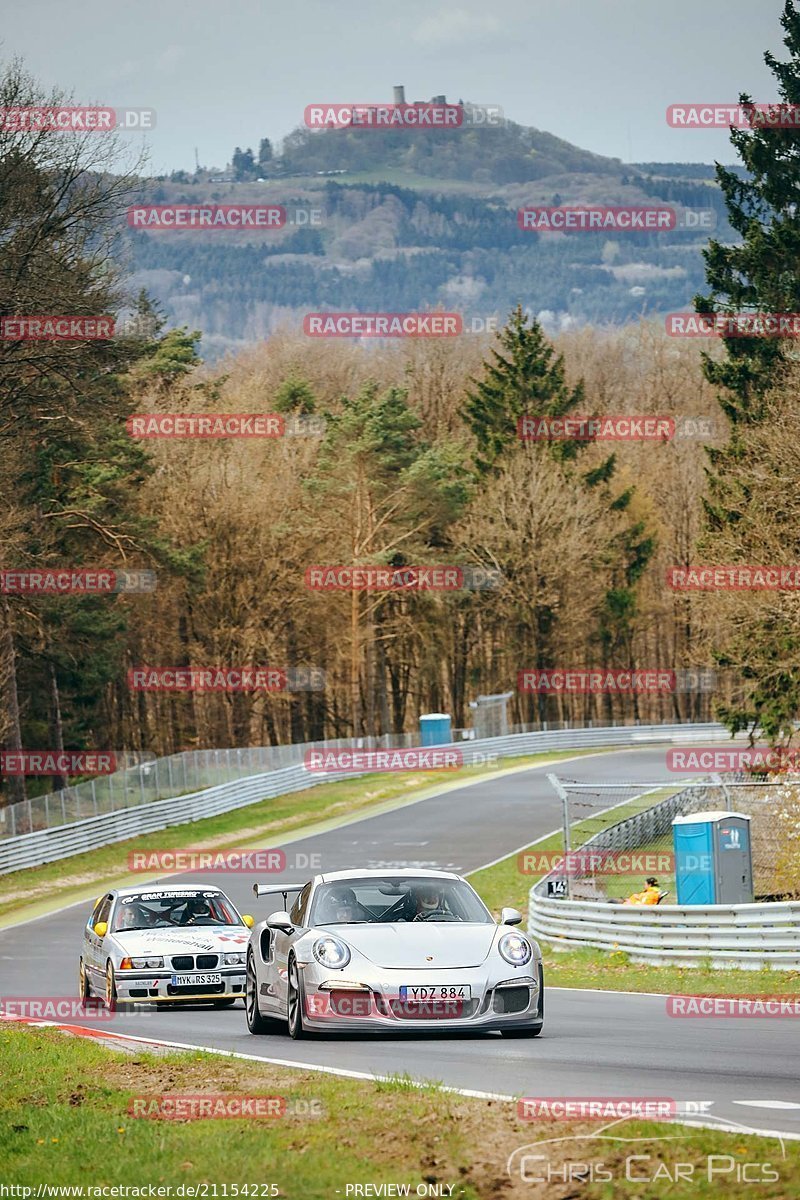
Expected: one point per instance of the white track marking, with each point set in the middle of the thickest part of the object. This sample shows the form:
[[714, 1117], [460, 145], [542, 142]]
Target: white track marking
[[767, 1103]]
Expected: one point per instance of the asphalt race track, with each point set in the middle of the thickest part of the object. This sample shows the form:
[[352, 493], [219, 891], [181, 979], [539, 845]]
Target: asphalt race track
[[593, 1044]]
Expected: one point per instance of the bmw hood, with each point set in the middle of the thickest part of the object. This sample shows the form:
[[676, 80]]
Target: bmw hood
[[215, 939], [419, 945]]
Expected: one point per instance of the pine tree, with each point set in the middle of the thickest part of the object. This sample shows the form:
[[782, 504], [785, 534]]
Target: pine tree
[[762, 272], [525, 377]]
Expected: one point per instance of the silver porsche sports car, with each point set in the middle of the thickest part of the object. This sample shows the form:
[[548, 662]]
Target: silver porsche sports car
[[164, 944], [388, 950]]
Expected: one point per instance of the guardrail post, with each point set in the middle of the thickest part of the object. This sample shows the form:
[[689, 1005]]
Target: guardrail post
[[721, 782], [561, 791]]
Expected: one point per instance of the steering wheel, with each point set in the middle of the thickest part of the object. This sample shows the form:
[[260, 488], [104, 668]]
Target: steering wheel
[[433, 912]]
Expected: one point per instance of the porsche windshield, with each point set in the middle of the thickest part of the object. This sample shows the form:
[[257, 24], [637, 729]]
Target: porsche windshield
[[163, 910], [385, 901]]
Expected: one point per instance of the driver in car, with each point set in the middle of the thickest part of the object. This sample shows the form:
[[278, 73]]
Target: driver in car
[[196, 911], [429, 899], [131, 916], [341, 906]]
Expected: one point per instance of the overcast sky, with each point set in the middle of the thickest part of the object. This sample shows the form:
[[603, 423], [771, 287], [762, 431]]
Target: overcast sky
[[220, 73]]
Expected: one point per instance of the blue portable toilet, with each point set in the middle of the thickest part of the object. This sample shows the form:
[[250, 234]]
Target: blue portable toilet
[[713, 858], [434, 729]]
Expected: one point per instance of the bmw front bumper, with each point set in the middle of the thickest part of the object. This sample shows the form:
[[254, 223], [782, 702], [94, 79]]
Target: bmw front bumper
[[143, 987]]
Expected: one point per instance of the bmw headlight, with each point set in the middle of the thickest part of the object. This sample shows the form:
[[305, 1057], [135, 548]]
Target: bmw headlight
[[144, 964], [331, 952], [233, 960], [515, 949]]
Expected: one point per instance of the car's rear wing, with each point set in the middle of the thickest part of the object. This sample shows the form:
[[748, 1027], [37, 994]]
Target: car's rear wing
[[277, 889]]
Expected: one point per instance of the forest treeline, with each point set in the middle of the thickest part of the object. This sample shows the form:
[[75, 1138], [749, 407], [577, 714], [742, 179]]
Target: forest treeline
[[399, 454]]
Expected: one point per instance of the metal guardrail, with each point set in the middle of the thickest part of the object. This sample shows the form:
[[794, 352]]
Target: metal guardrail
[[75, 837], [741, 935], [737, 935]]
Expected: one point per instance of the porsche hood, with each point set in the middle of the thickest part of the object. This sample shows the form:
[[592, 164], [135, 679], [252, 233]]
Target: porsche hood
[[418, 945]]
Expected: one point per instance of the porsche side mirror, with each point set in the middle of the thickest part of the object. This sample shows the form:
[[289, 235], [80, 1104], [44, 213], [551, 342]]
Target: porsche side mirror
[[281, 921], [510, 916], [248, 920], [101, 929]]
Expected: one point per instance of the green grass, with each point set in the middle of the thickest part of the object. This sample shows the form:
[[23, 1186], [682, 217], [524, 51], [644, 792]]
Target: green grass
[[587, 967], [262, 824], [64, 1120]]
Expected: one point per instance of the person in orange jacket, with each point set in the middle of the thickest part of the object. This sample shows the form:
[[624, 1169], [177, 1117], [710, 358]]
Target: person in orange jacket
[[650, 895]]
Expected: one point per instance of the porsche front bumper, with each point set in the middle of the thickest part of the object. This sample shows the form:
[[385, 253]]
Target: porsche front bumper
[[500, 1000]]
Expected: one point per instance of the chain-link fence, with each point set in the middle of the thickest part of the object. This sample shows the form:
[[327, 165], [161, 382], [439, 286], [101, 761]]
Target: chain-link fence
[[629, 825], [163, 778]]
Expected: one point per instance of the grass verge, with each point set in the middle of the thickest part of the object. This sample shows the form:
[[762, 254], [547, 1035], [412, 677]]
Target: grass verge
[[65, 1120]]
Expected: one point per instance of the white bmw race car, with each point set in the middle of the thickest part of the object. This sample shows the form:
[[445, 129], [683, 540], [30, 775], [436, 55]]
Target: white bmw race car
[[365, 950], [164, 944]]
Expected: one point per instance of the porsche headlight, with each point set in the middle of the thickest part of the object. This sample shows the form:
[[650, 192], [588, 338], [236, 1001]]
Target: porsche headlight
[[236, 959], [331, 952], [144, 964], [515, 949]]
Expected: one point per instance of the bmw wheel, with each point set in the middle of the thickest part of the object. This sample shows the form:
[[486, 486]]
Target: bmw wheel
[[84, 987]]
